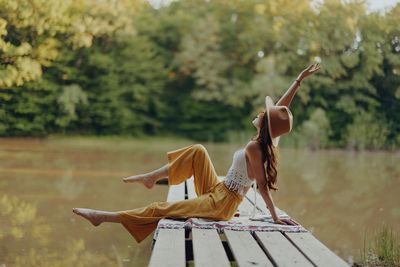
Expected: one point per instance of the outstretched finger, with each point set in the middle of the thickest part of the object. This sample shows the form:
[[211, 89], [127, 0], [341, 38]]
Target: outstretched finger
[[289, 222], [285, 222], [314, 69], [310, 67]]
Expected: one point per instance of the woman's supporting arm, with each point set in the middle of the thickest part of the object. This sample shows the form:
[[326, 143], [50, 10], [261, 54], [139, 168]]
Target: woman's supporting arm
[[254, 153], [255, 156], [286, 99], [266, 195]]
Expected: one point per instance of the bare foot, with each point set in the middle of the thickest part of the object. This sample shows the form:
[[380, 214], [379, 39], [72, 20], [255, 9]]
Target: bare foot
[[145, 179], [90, 215]]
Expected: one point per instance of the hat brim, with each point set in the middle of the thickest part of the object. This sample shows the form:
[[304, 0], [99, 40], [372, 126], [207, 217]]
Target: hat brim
[[268, 104]]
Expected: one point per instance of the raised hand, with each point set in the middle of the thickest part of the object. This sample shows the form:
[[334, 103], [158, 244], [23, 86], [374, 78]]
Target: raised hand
[[309, 71]]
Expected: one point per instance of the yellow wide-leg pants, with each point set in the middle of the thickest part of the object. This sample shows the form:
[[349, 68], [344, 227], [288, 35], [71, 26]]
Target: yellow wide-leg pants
[[214, 200]]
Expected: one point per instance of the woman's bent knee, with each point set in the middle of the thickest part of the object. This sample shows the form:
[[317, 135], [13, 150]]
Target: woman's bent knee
[[200, 148]]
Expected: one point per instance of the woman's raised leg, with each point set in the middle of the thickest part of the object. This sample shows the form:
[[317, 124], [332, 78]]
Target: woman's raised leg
[[150, 178], [192, 161], [183, 163]]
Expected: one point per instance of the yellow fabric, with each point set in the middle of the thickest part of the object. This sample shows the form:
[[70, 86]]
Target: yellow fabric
[[215, 201]]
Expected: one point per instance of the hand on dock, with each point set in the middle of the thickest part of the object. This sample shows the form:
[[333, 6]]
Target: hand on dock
[[286, 222]]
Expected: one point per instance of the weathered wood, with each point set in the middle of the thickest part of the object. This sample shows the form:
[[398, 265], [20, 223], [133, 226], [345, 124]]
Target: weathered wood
[[246, 208], [285, 249], [176, 192], [317, 252], [245, 249], [208, 250], [190, 188], [281, 250], [260, 201], [169, 250]]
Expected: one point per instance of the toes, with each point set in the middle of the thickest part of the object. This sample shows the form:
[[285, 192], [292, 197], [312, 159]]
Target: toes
[[76, 211], [129, 179]]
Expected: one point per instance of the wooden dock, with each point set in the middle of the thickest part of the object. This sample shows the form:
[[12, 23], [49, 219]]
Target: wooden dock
[[208, 248]]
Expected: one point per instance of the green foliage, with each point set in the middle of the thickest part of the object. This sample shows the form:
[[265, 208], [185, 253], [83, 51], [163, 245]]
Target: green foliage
[[199, 69], [33, 31], [382, 249], [367, 131], [71, 96], [315, 131], [28, 112], [201, 58]]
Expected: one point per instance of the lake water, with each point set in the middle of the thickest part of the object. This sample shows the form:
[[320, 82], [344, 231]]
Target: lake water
[[338, 195]]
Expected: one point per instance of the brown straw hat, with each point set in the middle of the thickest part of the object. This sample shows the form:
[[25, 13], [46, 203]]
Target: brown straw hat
[[280, 120]]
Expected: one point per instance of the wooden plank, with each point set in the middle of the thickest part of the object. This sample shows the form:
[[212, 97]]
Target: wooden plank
[[282, 250], [208, 250], [169, 249], [190, 188], [262, 208], [245, 249], [317, 252], [246, 208], [176, 192], [260, 201]]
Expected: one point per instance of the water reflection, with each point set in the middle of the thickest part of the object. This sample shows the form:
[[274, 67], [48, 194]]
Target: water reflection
[[68, 187], [336, 194], [340, 195]]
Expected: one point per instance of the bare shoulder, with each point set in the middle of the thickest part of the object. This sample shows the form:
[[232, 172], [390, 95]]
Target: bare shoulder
[[253, 149]]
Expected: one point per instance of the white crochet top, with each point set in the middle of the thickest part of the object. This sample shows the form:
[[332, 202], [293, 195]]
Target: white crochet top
[[237, 178]]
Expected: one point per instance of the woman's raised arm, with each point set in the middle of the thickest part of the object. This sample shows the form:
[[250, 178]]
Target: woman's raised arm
[[286, 99]]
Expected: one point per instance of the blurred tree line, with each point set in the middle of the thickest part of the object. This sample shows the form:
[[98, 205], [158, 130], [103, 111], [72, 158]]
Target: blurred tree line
[[199, 69]]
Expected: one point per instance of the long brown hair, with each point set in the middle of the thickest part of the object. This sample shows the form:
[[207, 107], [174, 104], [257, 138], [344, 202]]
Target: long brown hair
[[269, 153]]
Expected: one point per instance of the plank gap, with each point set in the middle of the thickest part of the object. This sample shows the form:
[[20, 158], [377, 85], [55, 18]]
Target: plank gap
[[263, 248], [186, 190], [228, 251], [299, 249], [281, 250], [189, 250]]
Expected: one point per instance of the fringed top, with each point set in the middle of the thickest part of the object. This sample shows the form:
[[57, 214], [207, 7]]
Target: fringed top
[[237, 178]]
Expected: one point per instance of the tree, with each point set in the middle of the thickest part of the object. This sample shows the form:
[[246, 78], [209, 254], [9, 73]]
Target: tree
[[33, 31]]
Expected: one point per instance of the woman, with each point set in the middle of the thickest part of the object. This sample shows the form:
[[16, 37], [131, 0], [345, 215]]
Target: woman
[[217, 200]]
